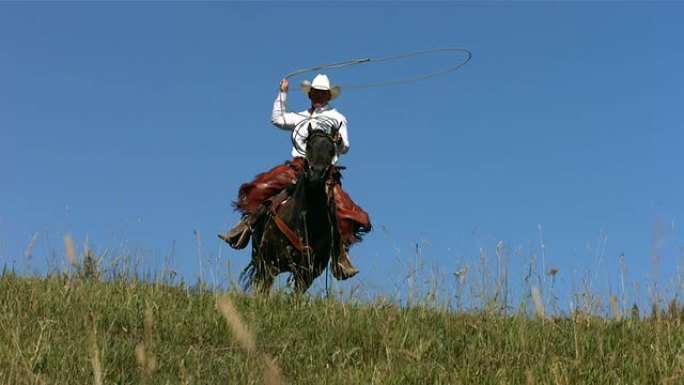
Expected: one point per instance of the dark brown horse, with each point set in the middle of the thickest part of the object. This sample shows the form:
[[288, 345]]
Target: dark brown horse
[[301, 234]]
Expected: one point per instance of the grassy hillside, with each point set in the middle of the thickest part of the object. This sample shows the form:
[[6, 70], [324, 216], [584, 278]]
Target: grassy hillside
[[69, 330]]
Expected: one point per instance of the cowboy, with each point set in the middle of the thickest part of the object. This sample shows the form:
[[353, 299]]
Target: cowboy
[[353, 220]]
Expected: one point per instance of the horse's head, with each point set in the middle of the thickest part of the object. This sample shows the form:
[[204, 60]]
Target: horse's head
[[320, 152]]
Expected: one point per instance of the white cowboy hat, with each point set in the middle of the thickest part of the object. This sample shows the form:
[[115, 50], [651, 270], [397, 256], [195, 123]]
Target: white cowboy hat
[[321, 82]]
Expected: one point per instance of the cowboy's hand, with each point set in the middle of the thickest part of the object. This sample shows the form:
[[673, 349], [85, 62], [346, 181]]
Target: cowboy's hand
[[337, 137], [284, 86]]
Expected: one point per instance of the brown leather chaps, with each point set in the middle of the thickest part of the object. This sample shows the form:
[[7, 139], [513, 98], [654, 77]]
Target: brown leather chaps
[[353, 220]]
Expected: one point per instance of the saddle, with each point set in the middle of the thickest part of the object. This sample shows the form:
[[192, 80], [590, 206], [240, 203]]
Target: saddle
[[270, 189]]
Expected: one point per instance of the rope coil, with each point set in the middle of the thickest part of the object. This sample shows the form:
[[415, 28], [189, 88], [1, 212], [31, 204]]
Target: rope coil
[[348, 63]]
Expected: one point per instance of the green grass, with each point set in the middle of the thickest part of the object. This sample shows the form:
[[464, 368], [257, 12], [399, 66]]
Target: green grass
[[68, 330]]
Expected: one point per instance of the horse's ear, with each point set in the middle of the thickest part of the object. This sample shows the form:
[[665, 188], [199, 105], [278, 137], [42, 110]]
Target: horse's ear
[[310, 129]]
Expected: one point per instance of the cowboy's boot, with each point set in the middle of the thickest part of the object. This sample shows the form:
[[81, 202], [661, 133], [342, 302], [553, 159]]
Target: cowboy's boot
[[343, 268], [238, 236]]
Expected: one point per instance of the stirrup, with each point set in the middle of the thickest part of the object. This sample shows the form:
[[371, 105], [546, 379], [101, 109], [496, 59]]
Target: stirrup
[[238, 236]]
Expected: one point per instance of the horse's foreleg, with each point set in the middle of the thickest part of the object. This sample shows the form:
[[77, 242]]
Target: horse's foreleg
[[265, 279], [265, 274], [310, 270], [302, 282], [265, 283]]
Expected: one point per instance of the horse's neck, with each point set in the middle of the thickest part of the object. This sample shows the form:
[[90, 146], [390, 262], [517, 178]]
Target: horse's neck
[[312, 200], [317, 213], [295, 204], [316, 196]]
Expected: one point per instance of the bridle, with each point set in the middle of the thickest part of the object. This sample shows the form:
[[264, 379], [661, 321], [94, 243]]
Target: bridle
[[322, 124], [313, 133]]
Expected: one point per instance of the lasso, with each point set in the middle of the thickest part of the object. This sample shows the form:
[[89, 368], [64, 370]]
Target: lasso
[[326, 125], [347, 63]]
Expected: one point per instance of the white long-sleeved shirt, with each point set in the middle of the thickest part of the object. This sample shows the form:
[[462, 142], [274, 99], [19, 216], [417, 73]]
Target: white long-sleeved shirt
[[324, 118]]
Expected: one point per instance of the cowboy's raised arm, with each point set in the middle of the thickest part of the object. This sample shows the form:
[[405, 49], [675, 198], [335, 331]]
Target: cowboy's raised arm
[[280, 117]]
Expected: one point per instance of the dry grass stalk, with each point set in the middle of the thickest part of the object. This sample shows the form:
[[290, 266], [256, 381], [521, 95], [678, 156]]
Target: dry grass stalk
[[272, 375], [140, 356], [246, 340], [28, 253], [538, 304], [614, 307], [70, 250], [144, 353], [237, 325], [529, 376], [95, 356]]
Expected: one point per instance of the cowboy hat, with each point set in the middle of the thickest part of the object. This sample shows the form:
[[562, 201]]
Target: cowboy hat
[[321, 82]]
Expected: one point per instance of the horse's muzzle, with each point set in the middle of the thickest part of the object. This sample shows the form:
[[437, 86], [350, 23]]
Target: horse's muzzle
[[317, 175]]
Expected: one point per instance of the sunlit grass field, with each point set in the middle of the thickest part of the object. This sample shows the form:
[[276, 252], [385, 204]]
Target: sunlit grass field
[[78, 327]]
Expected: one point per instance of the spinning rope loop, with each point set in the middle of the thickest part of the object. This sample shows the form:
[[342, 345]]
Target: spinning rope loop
[[348, 63], [296, 140]]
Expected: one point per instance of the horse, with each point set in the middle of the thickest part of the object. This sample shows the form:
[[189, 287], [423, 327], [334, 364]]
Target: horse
[[299, 233]]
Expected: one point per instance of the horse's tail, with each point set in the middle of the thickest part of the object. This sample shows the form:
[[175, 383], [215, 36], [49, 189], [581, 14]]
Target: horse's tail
[[247, 277]]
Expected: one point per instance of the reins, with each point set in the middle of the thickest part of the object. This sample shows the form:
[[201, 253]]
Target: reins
[[283, 227]]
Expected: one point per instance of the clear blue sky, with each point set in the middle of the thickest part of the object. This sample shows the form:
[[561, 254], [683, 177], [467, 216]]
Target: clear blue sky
[[133, 124]]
